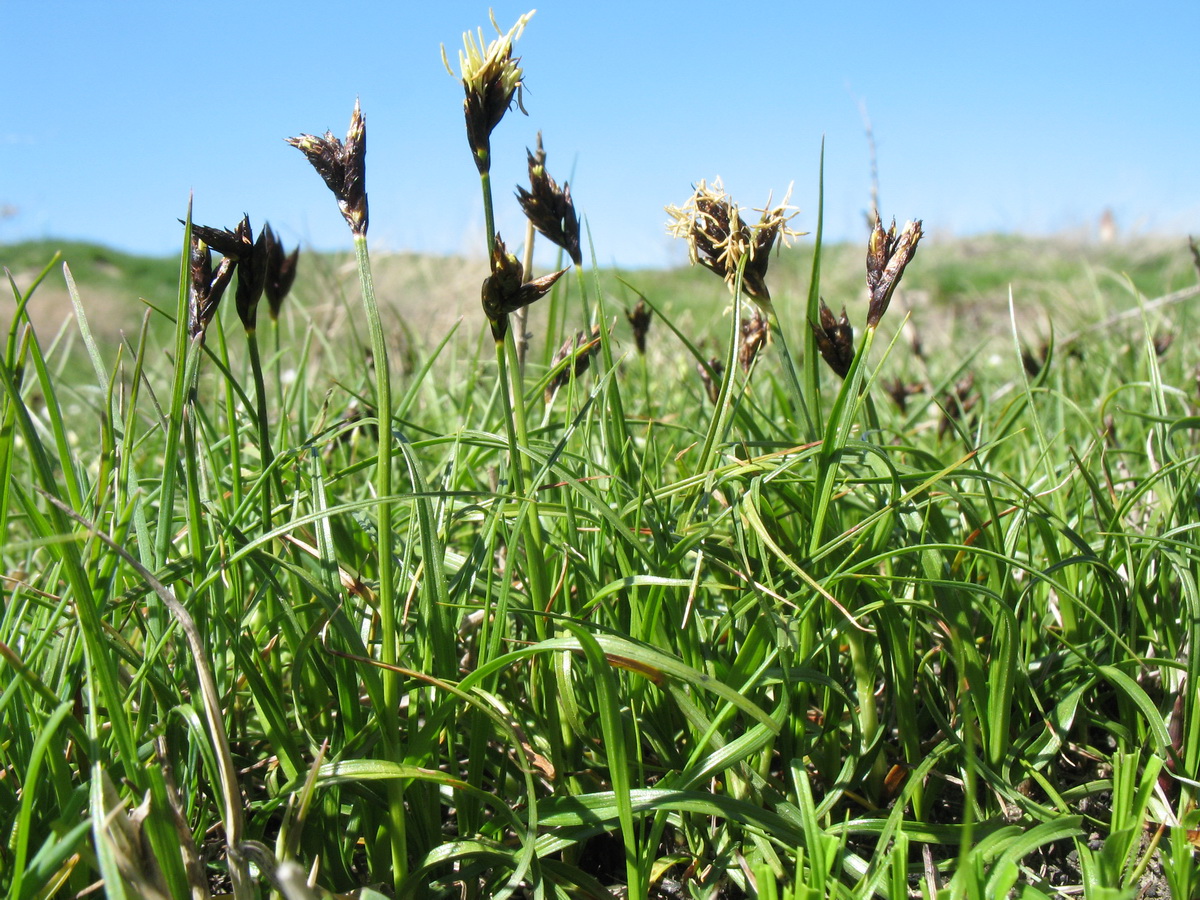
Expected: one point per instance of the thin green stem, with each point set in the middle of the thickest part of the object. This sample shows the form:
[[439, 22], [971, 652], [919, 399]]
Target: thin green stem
[[489, 218], [389, 649], [266, 457]]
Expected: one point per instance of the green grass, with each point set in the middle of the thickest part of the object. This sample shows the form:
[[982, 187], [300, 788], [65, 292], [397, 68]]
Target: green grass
[[969, 653], [796, 641]]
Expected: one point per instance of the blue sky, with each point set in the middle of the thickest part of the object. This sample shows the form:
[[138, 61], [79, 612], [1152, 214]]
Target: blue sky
[[1030, 117]]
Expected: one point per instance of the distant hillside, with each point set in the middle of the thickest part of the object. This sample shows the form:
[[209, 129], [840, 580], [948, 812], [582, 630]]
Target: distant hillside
[[954, 284]]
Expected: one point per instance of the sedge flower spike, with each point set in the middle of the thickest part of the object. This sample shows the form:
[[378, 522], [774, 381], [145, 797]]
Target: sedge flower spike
[[248, 255], [343, 166], [835, 339], [718, 238], [887, 255], [639, 321], [206, 288], [549, 207], [281, 271], [491, 79], [505, 290]]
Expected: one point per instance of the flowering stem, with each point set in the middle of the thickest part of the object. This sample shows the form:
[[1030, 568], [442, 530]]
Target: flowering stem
[[516, 432], [388, 724], [266, 457], [489, 218]]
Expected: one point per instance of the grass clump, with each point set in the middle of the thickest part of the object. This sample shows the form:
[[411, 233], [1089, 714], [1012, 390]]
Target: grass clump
[[584, 622]]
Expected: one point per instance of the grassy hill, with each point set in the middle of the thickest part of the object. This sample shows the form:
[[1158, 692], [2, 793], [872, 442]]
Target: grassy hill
[[661, 627]]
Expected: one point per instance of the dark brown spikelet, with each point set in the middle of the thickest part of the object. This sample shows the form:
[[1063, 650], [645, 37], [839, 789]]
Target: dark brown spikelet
[[281, 272], [1162, 342], [1195, 253], [711, 382], [835, 339], [207, 288], [252, 279], [343, 166], [505, 291], [491, 80], [1033, 362], [580, 348], [755, 332], [718, 226], [754, 277], [250, 256], [887, 256], [900, 391], [639, 321], [550, 207], [226, 242]]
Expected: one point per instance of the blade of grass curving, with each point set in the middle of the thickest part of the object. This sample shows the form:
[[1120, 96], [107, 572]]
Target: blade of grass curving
[[184, 357], [230, 792], [101, 666], [636, 868]]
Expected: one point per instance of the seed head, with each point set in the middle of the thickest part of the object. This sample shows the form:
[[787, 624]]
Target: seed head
[[887, 255], [718, 238], [835, 339], [550, 207], [580, 348], [900, 391], [755, 331], [281, 272], [711, 378], [206, 289], [505, 290], [252, 281], [491, 79], [241, 251], [639, 320], [343, 166]]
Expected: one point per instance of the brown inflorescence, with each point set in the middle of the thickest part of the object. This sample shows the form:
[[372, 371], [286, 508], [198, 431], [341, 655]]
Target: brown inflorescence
[[718, 238], [712, 386], [505, 290], [207, 287], [343, 166], [549, 207], [887, 255], [835, 339], [250, 258], [580, 349], [491, 80], [755, 332], [639, 321], [281, 271], [958, 402]]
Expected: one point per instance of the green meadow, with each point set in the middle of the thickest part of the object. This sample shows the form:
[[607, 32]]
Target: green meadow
[[325, 579]]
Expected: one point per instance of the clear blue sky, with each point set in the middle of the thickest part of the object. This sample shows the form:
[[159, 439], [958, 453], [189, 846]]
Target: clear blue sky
[[1021, 116]]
